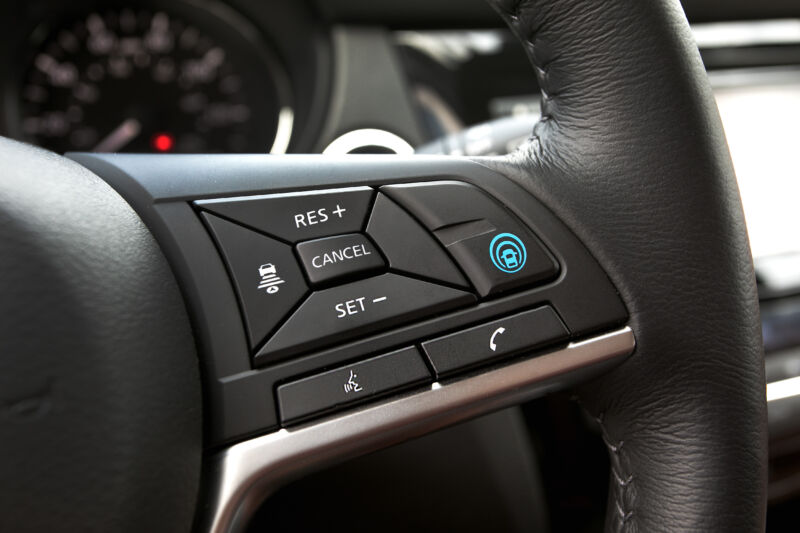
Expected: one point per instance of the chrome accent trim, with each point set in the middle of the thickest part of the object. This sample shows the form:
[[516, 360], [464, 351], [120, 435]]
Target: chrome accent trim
[[243, 475], [353, 140]]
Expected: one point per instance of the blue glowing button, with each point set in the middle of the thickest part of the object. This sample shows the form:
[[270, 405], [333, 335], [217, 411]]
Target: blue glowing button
[[507, 252], [498, 260]]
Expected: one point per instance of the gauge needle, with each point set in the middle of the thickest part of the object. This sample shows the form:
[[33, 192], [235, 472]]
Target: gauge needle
[[120, 136]]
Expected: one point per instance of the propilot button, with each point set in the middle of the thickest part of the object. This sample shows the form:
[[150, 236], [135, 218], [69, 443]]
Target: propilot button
[[492, 247], [332, 258], [299, 216], [508, 253]]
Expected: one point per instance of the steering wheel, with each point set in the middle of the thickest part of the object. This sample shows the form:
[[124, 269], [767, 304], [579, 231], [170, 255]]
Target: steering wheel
[[138, 393]]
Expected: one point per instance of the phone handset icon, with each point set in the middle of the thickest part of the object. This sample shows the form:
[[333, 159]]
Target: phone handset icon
[[492, 344]]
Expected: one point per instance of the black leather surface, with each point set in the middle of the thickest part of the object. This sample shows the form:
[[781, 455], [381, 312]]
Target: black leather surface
[[630, 153], [100, 406]]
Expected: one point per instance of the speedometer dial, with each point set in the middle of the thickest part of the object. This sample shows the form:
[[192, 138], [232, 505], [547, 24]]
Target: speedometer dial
[[148, 80]]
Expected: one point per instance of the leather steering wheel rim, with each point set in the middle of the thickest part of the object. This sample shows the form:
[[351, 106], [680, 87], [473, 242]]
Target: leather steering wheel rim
[[630, 152], [101, 420]]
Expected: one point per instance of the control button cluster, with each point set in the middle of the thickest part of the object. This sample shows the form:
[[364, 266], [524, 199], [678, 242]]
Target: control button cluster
[[317, 268]]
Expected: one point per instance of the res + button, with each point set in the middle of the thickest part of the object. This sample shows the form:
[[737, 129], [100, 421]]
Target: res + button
[[300, 216]]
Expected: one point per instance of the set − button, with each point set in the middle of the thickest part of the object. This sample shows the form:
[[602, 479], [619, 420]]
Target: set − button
[[333, 258], [348, 311]]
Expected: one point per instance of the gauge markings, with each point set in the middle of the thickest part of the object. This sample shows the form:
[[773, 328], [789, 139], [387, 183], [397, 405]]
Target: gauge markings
[[118, 80]]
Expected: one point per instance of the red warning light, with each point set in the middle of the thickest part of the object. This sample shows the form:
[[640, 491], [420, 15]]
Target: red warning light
[[163, 142]]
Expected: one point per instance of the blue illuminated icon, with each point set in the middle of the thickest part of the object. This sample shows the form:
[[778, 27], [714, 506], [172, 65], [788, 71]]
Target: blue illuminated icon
[[508, 253]]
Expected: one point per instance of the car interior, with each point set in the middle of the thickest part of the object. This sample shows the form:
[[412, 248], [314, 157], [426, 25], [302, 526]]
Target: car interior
[[399, 265]]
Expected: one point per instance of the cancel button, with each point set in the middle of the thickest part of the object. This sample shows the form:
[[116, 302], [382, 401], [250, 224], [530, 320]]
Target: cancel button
[[336, 257]]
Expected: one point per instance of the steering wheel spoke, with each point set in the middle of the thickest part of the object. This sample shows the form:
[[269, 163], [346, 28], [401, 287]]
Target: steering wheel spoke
[[378, 301]]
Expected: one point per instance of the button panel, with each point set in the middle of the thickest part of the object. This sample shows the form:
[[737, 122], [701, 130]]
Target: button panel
[[348, 311], [319, 269], [500, 338], [332, 258], [424, 231], [352, 384]]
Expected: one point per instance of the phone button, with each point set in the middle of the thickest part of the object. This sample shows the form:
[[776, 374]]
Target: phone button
[[513, 335]]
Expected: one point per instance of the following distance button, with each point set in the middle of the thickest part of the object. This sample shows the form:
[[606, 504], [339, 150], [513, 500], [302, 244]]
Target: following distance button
[[336, 257], [508, 336], [268, 280]]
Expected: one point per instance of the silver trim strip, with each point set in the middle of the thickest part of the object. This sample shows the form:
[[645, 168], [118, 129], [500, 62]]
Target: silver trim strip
[[243, 475], [353, 140]]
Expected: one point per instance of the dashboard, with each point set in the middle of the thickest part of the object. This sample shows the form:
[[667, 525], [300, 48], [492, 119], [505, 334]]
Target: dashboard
[[161, 76]]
